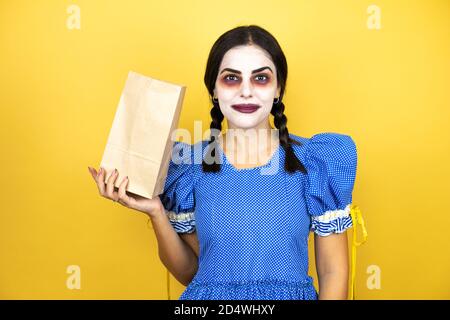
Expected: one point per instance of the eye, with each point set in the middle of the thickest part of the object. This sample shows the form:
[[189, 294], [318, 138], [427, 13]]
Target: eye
[[260, 78], [230, 76], [265, 78]]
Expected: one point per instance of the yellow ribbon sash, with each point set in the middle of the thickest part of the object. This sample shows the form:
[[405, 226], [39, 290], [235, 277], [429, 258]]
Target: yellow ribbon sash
[[357, 219]]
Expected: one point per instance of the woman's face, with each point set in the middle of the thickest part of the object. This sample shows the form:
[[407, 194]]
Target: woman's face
[[246, 75]]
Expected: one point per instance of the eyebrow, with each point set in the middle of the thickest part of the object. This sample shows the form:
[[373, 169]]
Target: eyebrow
[[254, 71]]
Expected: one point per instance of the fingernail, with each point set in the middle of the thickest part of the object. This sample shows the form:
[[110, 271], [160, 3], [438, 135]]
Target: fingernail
[[115, 171], [99, 172]]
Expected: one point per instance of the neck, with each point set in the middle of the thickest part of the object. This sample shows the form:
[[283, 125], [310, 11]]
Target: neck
[[257, 142]]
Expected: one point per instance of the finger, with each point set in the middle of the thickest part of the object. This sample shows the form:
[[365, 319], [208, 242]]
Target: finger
[[110, 185], [101, 181], [131, 201], [123, 197], [93, 173]]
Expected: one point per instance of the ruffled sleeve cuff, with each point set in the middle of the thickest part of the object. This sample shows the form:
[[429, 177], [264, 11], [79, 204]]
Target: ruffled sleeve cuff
[[182, 222], [333, 221]]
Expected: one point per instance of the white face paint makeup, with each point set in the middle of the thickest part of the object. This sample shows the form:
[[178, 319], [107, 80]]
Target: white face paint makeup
[[246, 86]]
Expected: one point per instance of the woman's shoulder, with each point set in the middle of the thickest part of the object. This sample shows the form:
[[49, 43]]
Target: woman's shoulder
[[326, 145], [335, 137]]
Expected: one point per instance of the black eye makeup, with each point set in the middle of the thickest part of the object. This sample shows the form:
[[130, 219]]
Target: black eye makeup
[[262, 78]]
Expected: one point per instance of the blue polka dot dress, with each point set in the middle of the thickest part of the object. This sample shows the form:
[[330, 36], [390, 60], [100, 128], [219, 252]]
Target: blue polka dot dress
[[253, 223]]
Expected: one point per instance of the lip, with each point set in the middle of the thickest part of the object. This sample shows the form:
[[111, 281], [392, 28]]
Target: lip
[[245, 108]]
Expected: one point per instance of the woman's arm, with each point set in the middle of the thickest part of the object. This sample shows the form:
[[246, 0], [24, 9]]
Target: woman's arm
[[176, 255], [332, 265], [192, 240]]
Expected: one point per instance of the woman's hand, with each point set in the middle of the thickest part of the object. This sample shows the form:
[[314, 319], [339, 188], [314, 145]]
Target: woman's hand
[[151, 207]]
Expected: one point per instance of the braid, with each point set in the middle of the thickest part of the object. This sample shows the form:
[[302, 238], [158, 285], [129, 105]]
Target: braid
[[292, 163], [216, 127]]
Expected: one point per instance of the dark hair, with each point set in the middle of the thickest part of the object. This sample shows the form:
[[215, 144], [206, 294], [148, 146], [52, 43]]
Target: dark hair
[[249, 35]]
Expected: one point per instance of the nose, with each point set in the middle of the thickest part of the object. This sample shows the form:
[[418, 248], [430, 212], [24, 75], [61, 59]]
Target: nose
[[246, 88]]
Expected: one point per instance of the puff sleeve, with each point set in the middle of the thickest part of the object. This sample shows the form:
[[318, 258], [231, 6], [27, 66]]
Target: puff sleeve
[[178, 195], [330, 161]]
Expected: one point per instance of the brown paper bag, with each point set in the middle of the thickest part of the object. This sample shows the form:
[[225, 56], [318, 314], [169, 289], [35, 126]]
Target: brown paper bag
[[139, 143]]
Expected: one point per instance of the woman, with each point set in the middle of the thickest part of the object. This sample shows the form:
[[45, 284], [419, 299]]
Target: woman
[[248, 238]]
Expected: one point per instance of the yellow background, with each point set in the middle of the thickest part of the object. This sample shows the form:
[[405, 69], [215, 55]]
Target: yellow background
[[387, 88]]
